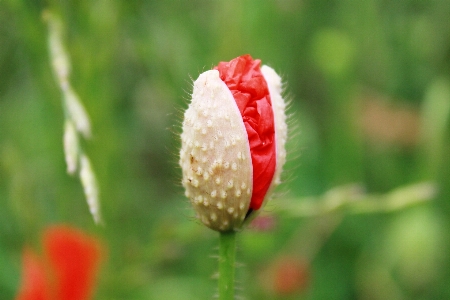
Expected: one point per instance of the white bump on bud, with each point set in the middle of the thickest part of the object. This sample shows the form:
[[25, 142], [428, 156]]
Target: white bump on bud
[[194, 182], [198, 199], [230, 183], [219, 205], [199, 171]]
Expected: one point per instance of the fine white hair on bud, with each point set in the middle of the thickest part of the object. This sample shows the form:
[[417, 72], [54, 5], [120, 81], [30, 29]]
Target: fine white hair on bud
[[232, 142]]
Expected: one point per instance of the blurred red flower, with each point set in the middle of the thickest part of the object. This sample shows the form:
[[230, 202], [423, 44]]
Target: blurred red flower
[[286, 276], [67, 270], [290, 276]]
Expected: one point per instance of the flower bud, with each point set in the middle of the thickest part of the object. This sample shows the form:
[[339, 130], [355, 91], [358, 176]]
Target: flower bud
[[232, 144]]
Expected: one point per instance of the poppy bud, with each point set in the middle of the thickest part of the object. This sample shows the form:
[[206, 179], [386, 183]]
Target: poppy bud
[[232, 144]]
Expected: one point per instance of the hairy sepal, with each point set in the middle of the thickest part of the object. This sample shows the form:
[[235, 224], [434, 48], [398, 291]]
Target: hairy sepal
[[215, 155]]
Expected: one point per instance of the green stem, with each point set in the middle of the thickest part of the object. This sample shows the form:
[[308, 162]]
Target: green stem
[[227, 256]]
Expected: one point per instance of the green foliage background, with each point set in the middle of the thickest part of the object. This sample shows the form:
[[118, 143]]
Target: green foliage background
[[133, 63]]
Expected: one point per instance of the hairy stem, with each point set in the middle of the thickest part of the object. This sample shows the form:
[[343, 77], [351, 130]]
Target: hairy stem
[[227, 256]]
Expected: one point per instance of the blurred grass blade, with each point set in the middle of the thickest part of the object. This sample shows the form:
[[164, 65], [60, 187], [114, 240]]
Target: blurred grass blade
[[90, 187], [76, 117], [71, 147], [351, 199]]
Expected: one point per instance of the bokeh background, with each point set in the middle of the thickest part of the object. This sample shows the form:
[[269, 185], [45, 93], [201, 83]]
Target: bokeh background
[[369, 87]]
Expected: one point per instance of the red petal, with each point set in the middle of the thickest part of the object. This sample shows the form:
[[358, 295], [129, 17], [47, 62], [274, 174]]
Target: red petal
[[34, 285], [74, 258], [243, 77]]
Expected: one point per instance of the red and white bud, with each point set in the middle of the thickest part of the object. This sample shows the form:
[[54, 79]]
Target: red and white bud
[[233, 139]]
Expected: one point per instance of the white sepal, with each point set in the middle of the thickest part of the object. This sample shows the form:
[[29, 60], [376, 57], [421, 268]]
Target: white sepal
[[215, 155], [279, 108]]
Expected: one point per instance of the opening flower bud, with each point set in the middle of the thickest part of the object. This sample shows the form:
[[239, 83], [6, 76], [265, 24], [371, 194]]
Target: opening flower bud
[[232, 144]]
